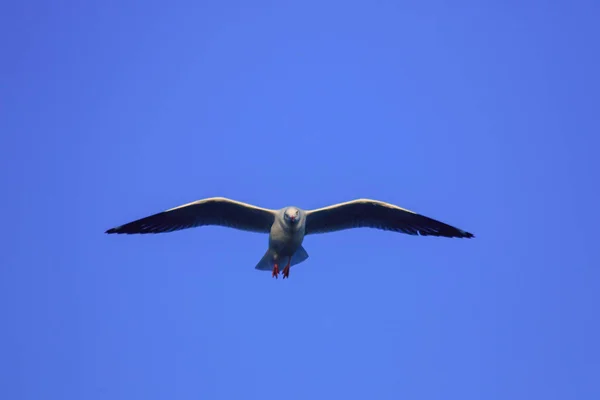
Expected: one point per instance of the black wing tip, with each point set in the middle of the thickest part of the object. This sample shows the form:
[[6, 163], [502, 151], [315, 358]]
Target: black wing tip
[[121, 230], [466, 235], [454, 233], [451, 235], [129, 230]]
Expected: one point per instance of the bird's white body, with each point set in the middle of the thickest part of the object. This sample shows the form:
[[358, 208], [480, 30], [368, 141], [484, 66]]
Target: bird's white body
[[285, 238]]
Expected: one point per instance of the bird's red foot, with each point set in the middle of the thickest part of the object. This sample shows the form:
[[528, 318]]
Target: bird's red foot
[[275, 271], [286, 270]]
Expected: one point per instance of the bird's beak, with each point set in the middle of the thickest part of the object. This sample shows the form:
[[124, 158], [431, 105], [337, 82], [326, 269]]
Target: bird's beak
[[293, 218]]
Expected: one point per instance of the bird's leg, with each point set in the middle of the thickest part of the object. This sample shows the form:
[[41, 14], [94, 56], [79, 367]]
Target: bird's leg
[[275, 270], [286, 270]]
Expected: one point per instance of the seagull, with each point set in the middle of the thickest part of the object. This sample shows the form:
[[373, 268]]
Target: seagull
[[288, 226]]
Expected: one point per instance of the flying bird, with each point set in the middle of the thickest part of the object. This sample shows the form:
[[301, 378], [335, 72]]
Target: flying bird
[[288, 226]]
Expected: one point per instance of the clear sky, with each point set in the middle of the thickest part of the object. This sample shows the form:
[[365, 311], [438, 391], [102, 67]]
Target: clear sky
[[483, 115]]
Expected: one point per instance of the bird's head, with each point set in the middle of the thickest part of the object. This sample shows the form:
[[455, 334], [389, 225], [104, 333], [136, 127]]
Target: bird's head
[[292, 215]]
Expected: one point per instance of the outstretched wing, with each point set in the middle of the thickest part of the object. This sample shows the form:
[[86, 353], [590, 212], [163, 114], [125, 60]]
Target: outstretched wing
[[377, 214], [213, 211]]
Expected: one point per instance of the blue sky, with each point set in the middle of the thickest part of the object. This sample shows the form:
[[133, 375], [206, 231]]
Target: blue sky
[[479, 114]]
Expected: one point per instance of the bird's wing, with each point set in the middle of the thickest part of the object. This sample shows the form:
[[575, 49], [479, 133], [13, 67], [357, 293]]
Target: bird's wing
[[212, 211], [376, 214]]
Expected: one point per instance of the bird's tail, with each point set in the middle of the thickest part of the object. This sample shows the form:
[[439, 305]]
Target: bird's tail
[[266, 263]]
